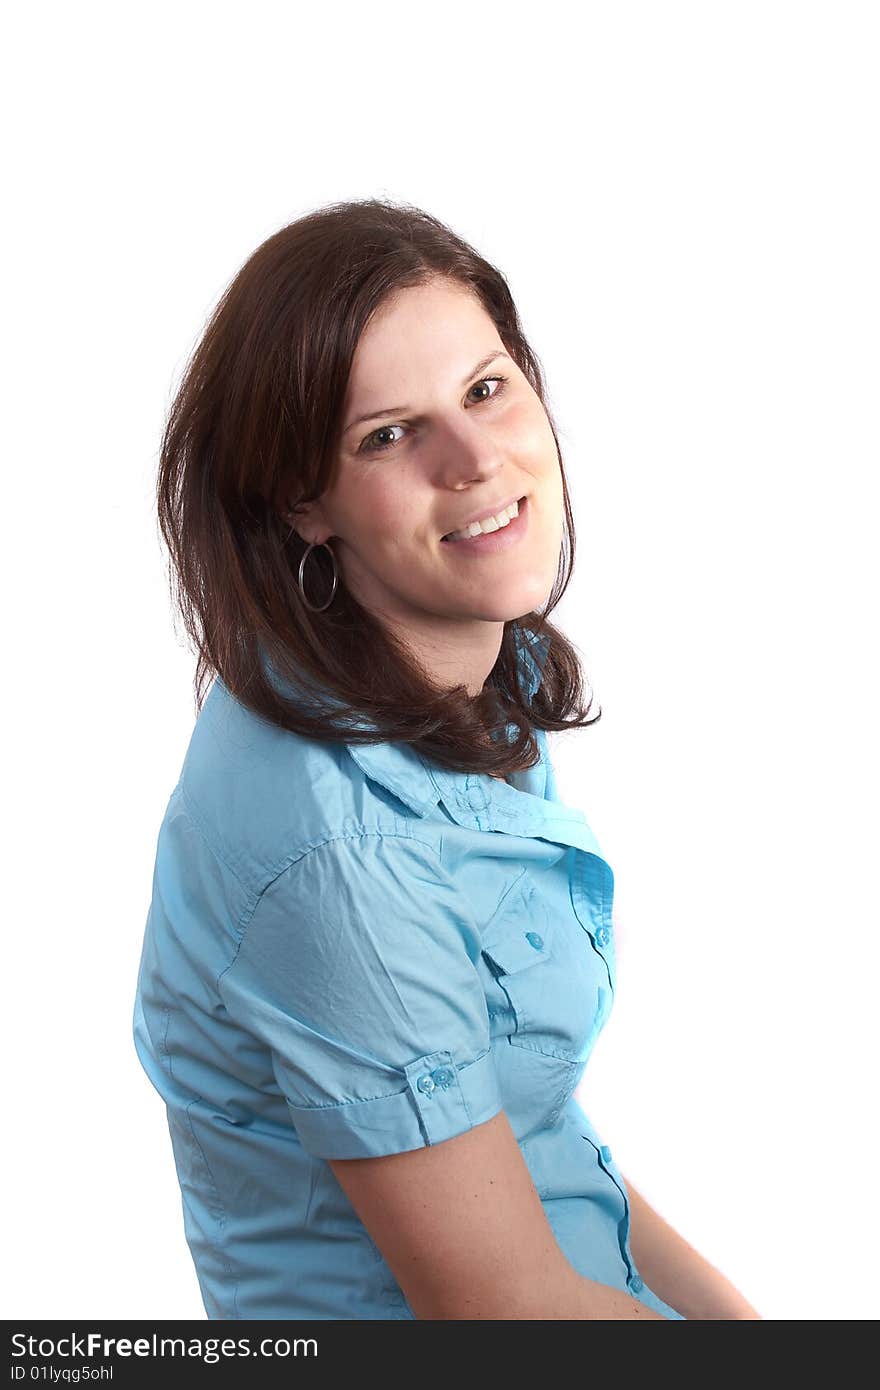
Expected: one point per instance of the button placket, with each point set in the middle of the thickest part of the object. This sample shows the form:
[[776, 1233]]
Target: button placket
[[608, 1166], [593, 906]]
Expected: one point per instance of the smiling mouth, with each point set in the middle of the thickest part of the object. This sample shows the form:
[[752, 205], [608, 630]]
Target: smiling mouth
[[459, 539]]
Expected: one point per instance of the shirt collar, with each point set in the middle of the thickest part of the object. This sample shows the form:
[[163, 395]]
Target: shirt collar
[[478, 801], [402, 771]]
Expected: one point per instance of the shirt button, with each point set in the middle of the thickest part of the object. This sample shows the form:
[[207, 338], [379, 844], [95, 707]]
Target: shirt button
[[636, 1284], [601, 936], [535, 939], [606, 1153], [442, 1076], [426, 1084]]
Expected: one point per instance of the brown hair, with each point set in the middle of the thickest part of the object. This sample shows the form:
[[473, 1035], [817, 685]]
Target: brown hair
[[254, 429]]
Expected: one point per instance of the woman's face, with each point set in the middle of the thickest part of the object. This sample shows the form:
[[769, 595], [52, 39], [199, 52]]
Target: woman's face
[[433, 438]]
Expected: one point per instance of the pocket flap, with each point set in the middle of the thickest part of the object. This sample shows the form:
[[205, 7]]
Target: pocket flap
[[521, 933]]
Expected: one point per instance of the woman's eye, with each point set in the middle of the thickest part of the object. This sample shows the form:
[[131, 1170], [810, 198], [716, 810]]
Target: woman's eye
[[370, 447], [386, 429], [485, 381]]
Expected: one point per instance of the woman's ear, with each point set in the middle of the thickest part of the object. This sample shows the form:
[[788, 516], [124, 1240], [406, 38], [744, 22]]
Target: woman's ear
[[306, 518]]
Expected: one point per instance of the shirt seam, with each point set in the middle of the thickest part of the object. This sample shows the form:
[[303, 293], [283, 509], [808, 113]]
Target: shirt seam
[[250, 909], [200, 825]]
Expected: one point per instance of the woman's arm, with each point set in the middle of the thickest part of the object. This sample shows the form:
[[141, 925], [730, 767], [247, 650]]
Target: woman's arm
[[466, 1235], [675, 1271]]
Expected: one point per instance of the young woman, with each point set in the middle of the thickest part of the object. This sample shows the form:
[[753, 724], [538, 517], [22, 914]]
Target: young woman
[[380, 948]]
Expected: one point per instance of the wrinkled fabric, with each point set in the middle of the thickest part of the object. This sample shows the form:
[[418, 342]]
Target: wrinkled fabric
[[349, 952]]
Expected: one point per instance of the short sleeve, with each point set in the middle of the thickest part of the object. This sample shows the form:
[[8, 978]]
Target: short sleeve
[[358, 971]]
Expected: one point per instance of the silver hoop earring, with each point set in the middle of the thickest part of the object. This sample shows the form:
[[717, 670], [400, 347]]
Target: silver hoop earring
[[317, 607]]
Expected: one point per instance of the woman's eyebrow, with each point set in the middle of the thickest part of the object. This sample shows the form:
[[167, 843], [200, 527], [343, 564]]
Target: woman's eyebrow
[[402, 409]]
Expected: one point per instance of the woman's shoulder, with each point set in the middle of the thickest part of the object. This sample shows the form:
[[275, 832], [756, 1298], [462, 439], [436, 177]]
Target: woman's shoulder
[[266, 795]]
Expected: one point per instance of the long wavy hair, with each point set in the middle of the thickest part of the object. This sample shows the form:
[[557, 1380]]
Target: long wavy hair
[[254, 429]]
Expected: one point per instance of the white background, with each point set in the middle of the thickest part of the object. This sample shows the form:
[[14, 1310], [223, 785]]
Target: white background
[[684, 198]]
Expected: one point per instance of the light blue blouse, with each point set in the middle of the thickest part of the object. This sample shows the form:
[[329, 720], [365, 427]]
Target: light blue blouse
[[350, 951]]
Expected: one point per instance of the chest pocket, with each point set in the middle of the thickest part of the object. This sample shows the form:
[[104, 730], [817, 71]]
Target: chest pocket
[[550, 989]]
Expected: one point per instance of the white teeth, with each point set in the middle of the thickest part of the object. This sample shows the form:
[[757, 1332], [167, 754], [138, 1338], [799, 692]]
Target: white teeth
[[491, 523]]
